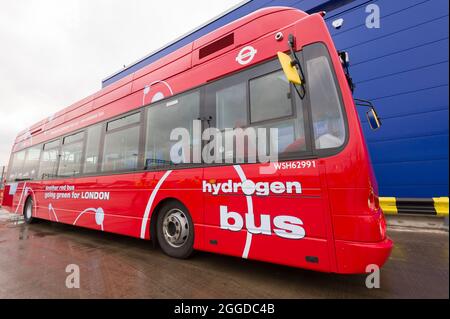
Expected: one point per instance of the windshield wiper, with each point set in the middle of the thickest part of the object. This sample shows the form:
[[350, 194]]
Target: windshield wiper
[[296, 63]]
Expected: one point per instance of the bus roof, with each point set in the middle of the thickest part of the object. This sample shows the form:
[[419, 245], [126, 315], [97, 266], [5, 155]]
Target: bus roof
[[119, 88]]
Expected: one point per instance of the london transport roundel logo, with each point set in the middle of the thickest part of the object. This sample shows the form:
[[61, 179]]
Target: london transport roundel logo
[[246, 55]]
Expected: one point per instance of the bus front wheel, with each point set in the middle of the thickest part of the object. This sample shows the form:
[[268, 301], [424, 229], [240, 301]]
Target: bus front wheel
[[175, 230]]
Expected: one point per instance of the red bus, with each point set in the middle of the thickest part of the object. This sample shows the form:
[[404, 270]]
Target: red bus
[[107, 161]]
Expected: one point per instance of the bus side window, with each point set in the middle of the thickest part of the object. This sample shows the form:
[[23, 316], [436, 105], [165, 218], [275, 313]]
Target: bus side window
[[270, 97], [121, 147], [231, 106], [162, 118], [262, 102], [326, 108], [31, 163], [71, 153], [49, 160], [17, 165], [272, 108], [92, 149]]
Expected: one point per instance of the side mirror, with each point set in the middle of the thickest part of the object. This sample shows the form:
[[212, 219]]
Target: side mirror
[[373, 119], [288, 67], [371, 114]]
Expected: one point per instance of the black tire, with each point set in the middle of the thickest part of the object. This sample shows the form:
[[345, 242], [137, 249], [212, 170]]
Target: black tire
[[175, 230], [28, 211]]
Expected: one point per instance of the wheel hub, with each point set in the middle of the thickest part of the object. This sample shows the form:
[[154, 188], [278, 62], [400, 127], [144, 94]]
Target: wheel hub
[[175, 228]]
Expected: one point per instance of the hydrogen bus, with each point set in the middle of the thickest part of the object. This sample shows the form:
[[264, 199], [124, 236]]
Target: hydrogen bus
[[110, 161]]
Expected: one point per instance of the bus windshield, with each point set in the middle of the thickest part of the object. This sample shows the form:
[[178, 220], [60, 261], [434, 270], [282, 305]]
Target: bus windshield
[[326, 104]]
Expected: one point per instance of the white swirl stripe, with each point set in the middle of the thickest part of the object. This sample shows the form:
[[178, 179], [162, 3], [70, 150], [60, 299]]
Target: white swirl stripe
[[150, 203], [99, 216], [21, 195], [25, 192], [248, 240], [50, 208], [93, 210]]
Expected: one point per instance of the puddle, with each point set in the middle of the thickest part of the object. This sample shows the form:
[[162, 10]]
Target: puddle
[[8, 217], [15, 224], [43, 234], [15, 221]]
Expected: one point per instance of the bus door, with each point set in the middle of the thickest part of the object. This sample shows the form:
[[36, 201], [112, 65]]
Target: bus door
[[274, 212]]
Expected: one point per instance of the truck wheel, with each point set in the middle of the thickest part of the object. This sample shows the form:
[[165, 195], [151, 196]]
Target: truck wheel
[[175, 230]]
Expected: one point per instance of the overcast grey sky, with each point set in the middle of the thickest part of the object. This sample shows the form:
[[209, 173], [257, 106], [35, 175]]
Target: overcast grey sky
[[53, 53]]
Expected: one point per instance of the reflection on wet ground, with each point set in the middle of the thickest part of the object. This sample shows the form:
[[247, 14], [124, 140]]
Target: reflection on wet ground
[[33, 261]]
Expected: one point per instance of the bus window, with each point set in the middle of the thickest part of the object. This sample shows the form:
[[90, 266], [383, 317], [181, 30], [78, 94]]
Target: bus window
[[271, 103], [92, 149], [49, 160], [271, 109], [270, 97], [326, 108], [124, 121], [17, 165], [71, 153], [289, 138], [162, 118], [31, 164], [121, 148], [231, 106]]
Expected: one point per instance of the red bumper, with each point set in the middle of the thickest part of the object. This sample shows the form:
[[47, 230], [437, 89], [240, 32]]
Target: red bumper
[[354, 257]]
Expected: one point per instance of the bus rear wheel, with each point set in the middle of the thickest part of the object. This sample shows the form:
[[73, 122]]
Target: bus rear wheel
[[28, 211], [175, 230]]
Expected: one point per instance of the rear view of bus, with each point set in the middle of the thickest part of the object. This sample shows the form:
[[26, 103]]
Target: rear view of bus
[[295, 185]]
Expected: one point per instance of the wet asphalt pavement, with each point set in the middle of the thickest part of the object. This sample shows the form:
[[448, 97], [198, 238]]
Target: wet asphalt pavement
[[33, 261]]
